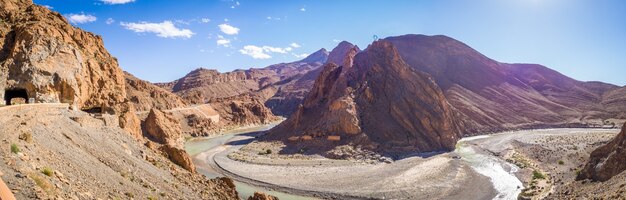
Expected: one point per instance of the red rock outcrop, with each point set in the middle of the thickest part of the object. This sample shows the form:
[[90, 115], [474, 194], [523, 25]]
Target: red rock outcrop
[[379, 102], [165, 130], [245, 109], [145, 95], [54, 62], [606, 161]]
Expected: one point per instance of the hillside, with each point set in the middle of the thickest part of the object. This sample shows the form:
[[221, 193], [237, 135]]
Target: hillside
[[494, 96], [89, 158]]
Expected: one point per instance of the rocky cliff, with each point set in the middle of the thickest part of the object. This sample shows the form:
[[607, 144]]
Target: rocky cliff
[[45, 58], [379, 103], [606, 161]]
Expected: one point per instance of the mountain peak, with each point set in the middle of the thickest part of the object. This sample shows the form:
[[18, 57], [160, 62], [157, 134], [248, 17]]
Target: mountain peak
[[338, 54], [318, 56]]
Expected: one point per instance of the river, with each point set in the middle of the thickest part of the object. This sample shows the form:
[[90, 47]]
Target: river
[[199, 145], [501, 173]]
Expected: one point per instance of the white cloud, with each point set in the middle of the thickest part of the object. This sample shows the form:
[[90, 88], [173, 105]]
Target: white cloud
[[165, 29], [263, 52], [336, 40], [48, 7], [80, 18], [304, 55], [302, 9], [110, 21], [255, 52], [295, 45], [221, 41], [117, 1], [205, 20], [270, 49], [228, 29], [226, 19]]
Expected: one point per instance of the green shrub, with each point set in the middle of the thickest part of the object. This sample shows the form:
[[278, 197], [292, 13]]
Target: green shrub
[[538, 175], [268, 151], [47, 171], [561, 162], [14, 148]]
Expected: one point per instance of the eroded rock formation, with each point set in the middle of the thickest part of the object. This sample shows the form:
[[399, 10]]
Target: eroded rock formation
[[379, 102], [54, 62], [165, 130], [606, 161]]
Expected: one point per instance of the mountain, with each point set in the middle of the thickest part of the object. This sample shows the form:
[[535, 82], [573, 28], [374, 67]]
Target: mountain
[[379, 103], [202, 85], [493, 96], [95, 149], [292, 90], [145, 95], [43, 57]]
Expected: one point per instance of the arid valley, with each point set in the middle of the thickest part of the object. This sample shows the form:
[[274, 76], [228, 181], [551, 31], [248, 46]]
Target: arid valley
[[404, 116]]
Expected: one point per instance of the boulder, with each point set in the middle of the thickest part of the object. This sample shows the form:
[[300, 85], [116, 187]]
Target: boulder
[[606, 161], [162, 128], [262, 196]]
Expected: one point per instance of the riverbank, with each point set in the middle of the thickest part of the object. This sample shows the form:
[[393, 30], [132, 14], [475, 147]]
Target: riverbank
[[547, 159]]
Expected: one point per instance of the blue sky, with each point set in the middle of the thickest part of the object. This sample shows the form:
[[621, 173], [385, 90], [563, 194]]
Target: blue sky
[[162, 40]]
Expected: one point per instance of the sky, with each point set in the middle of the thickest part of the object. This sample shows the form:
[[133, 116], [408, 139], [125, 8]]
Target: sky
[[162, 40]]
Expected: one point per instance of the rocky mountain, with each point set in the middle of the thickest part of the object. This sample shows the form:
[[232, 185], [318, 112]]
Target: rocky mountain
[[606, 161], [292, 90], [61, 153], [493, 96], [45, 58], [145, 95], [379, 103]]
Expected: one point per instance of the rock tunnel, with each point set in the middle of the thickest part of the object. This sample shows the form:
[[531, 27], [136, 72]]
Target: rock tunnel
[[15, 93]]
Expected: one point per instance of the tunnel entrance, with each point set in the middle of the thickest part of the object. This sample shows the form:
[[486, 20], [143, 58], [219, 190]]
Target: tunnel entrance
[[93, 110], [19, 96]]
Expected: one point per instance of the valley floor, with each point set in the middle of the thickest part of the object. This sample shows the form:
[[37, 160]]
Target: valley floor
[[543, 161]]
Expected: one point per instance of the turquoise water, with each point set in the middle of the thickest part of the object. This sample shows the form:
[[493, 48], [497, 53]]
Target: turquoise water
[[199, 145]]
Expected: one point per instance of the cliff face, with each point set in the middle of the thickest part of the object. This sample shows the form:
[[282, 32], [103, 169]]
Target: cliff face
[[606, 161], [47, 59], [378, 102]]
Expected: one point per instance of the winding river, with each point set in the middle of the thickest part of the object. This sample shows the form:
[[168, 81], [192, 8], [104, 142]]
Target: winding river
[[501, 173], [196, 147]]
